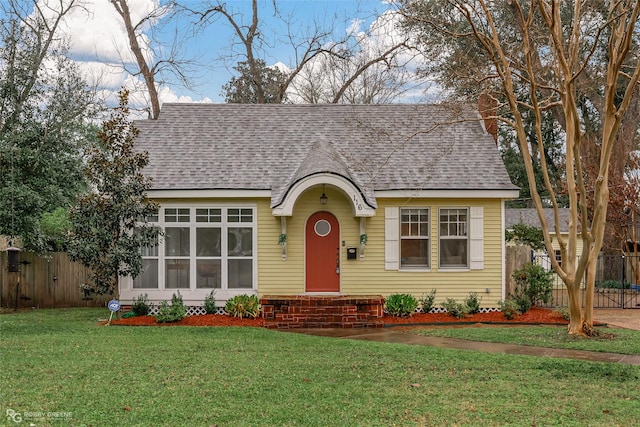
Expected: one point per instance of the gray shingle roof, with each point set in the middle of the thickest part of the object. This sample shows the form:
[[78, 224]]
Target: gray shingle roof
[[529, 216], [377, 147]]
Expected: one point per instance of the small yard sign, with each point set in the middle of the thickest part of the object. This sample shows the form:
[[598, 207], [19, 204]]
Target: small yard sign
[[114, 305]]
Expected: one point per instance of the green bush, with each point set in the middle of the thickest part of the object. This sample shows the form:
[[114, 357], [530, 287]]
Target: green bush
[[243, 306], [473, 303], [521, 298], [535, 282], [509, 308], [564, 312], [172, 313], [141, 305], [427, 301], [455, 308], [401, 305], [210, 303]]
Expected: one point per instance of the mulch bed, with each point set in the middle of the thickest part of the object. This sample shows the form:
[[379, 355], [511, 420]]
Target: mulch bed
[[534, 316]]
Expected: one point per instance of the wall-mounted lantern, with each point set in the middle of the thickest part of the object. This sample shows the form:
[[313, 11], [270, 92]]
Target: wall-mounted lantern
[[323, 198]]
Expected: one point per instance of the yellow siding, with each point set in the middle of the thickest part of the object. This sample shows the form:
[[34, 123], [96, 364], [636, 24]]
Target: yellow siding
[[368, 276]]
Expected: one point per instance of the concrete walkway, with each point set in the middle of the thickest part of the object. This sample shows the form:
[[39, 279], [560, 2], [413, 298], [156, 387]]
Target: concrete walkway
[[629, 319], [618, 317]]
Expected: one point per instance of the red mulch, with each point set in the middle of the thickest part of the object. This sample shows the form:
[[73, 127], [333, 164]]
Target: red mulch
[[535, 315]]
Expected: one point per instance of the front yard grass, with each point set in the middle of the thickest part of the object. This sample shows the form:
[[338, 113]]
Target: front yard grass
[[624, 341], [61, 362]]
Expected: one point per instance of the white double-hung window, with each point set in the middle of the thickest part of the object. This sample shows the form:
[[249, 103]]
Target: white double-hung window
[[202, 248], [414, 238], [454, 237]]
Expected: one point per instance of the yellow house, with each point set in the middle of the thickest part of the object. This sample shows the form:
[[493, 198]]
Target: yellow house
[[323, 200]]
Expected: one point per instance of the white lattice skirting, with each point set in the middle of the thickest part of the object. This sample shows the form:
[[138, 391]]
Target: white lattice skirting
[[191, 310]]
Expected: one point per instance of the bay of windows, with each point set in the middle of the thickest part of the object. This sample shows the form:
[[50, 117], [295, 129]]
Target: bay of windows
[[202, 248]]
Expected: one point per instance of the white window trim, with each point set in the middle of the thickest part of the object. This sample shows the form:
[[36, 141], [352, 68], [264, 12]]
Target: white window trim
[[421, 268], [454, 268], [224, 225]]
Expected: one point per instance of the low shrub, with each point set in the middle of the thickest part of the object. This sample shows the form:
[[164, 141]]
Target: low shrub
[[243, 306], [455, 309], [401, 305], [128, 314], [427, 301], [509, 308], [535, 282], [473, 303], [210, 303], [564, 312], [173, 312], [141, 305], [521, 298]]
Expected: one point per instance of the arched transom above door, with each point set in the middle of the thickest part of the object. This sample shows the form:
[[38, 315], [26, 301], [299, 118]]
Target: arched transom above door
[[359, 205]]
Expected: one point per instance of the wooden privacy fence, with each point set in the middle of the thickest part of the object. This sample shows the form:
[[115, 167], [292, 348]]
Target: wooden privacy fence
[[46, 283], [517, 256]]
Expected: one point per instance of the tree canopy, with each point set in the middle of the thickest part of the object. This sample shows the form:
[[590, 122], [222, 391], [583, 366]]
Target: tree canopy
[[109, 222], [43, 105], [243, 88]]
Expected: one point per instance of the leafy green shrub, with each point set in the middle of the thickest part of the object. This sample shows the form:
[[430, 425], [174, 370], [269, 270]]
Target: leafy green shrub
[[141, 305], [564, 312], [427, 301], [473, 303], [210, 303], [401, 305], [535, 282], [243, 306], [509, 308], [455, 308], [172, 313], [128, 314], [521, 298]]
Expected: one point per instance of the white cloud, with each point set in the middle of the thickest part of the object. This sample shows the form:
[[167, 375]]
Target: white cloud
[[98, 43]]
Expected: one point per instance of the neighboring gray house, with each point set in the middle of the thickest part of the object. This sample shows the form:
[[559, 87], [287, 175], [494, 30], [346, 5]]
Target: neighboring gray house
[[529, 216], [323, 199]]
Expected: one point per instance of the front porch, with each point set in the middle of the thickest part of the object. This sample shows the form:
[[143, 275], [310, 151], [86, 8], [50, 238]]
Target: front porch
[[306, 311]]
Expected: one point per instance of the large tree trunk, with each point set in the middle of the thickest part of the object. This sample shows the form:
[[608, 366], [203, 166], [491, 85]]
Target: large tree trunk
[[575, 309]]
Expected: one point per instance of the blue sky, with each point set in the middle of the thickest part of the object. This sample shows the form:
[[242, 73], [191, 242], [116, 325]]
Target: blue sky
[[99, 44], [216, 45], [98, 41]]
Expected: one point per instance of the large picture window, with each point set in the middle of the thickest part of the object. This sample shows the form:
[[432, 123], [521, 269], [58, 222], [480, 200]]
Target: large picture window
[[453, 225], [202, 248], [414, 237]]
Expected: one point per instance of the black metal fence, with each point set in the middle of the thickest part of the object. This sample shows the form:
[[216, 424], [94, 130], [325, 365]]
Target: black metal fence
[[617, 282]]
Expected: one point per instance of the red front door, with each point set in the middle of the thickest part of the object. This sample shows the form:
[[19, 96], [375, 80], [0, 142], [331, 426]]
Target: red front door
[[322, 253]]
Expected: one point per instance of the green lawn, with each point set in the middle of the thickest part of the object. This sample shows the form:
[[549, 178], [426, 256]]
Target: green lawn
[[623, 341], [60, 363]]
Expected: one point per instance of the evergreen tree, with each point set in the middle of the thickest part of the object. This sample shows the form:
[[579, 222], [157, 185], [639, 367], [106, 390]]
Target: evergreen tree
[[109, 223]]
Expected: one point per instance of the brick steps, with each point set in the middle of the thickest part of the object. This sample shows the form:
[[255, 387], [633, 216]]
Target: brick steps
[[301, 311]]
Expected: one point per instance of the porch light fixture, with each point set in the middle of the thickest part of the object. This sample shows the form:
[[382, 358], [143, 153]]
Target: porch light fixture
[[323, 198]]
